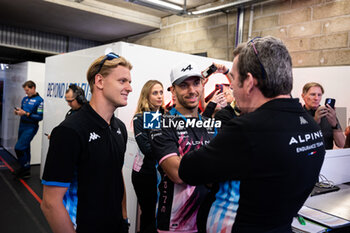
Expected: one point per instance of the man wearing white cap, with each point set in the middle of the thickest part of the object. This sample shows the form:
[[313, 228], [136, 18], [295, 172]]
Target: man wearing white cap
[[182, 130]]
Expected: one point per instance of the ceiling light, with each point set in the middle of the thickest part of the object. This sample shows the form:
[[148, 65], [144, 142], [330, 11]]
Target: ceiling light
[[222, 7], [158, 4]]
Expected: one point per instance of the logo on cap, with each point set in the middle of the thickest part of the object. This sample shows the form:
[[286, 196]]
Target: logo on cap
[[189, 67]]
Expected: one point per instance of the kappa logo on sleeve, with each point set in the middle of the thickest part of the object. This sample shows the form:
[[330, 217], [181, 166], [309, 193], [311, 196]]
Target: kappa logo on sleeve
[[119, 132], [151, 120]]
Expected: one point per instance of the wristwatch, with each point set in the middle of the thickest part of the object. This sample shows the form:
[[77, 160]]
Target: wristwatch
[[336, 126]]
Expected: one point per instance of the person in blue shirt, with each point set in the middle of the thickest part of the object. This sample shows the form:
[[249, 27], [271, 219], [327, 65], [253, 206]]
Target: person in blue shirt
[[31, 112]]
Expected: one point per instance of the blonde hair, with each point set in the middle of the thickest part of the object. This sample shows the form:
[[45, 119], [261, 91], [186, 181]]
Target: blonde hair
[[106, 68], [307, 87], [143, 104]]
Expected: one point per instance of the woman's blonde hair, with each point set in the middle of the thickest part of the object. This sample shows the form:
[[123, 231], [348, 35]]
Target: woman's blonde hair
[[143, 104]]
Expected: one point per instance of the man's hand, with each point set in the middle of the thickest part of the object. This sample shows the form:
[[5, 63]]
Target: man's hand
[[219, 99], [20, 112], [221, 68], [320, 112], [331, 116]]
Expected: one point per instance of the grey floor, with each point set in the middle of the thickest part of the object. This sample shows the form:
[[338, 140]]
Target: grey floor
[[19, 210]]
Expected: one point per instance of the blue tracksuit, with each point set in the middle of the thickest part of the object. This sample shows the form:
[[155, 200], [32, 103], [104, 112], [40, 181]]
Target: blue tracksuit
[[28, 127]]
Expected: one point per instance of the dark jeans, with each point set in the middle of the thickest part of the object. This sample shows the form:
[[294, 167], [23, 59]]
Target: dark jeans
[[145, 186]]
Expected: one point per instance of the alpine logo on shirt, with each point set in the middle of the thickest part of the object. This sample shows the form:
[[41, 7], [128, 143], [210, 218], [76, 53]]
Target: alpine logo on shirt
[[303, 121], [307, 141], [93, 136]]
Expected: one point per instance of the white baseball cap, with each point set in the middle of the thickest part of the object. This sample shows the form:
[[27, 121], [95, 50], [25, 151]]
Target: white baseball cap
[[184, 70]]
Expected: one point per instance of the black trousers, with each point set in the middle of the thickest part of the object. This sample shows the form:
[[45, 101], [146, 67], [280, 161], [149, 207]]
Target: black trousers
[[145, 186]]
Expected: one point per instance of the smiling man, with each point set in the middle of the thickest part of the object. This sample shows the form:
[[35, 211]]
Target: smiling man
[[86, 155], [178, 202], [265, 148]]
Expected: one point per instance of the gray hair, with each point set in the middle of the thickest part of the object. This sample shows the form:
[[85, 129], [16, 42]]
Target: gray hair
[[275, 58]]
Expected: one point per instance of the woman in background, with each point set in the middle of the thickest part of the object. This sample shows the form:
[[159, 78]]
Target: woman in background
[[144, 174]]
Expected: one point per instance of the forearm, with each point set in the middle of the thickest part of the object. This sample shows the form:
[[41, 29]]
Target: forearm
[[171, 168], [209, 109], [339, 138], [124, 210], [36, 116], [57, 217]]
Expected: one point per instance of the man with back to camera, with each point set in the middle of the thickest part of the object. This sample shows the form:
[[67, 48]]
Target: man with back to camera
[[87, 151], [31, 112], [275, 149], [178, 202], [325, 116]]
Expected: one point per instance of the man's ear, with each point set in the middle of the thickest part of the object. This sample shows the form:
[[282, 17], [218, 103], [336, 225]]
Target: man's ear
[[99, 81], [249, 83], [172, 89]]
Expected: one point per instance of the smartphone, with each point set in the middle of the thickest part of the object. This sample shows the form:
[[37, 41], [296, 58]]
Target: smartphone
[[209, 71], [330, 102], [219, 87], [46, 134]]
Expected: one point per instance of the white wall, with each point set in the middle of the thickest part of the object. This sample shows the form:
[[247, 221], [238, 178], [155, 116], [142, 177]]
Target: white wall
[[36, 73], [13, 93]]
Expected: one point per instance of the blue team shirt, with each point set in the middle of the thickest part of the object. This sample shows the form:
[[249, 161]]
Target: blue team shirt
[[35, 106]]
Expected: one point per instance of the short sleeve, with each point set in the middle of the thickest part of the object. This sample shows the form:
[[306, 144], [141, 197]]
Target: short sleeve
[[164, 143], [62, 156]]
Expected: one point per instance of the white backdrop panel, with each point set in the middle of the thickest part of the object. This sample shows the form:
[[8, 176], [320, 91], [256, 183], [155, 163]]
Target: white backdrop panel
[[13, 93]]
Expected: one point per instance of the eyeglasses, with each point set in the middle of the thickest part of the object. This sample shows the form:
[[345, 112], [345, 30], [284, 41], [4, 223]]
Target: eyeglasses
[[108, 57], [264, 74], [70, 101]]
